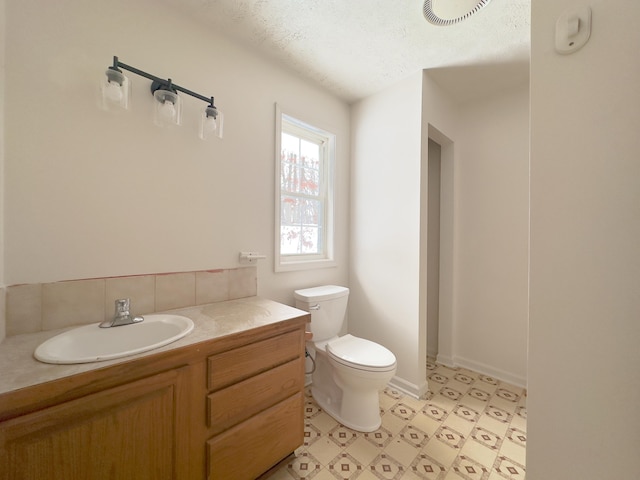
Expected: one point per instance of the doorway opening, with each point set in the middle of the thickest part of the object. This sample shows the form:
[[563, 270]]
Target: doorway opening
[[433, 247], [439, 247]]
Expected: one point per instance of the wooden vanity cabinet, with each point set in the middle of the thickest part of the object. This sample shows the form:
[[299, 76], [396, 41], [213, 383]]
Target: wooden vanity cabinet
[[255, 406], [227, 408], [134, 431]]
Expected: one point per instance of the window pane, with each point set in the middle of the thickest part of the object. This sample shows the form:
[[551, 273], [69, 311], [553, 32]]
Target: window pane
[[300, 222], [310, 153], [290, 144], [289, 211], [300, 211], [289, 178], [309, 181], [289, 156], [297, 240], [289, 240], [310, 212], [310, 240]]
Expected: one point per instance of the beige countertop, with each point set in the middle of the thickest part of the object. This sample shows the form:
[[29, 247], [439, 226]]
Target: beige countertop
[[19, 368]]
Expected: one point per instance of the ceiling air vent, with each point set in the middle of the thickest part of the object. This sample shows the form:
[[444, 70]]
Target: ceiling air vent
[[465, 8]]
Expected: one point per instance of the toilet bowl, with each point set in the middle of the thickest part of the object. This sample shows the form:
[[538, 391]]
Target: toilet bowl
[[349, 371]]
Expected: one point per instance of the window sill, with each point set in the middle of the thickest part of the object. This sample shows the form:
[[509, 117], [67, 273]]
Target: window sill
[[304, 265]]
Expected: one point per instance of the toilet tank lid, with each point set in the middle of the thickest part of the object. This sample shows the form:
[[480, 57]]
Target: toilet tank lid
[[318, 294]]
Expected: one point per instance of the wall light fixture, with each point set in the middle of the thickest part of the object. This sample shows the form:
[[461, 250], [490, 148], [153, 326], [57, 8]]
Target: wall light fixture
[[116, 92]]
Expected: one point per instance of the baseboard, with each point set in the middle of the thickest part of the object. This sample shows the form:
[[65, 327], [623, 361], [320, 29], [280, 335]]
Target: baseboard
[[496, 373], [445, 360], [411, 389]]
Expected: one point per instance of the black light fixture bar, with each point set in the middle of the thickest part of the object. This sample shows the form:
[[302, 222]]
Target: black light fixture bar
[[160, 82]]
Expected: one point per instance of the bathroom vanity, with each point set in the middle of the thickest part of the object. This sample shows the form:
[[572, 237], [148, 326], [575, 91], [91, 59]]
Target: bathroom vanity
[[225, 402]]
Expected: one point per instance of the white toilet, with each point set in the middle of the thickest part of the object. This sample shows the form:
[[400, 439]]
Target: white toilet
[[349, 371]]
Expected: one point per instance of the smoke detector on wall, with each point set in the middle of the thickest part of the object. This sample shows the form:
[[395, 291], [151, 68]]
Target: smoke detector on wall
[[450, 12]]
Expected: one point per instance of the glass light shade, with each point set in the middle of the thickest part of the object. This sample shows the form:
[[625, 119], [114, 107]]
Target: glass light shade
[[115, 89], [211, 123], [168, 108]]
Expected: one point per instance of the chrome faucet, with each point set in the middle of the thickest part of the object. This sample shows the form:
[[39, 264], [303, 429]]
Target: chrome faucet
[[122, 315]]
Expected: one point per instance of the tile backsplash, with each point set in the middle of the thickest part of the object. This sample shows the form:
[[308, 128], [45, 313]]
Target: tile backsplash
[[35, 307]]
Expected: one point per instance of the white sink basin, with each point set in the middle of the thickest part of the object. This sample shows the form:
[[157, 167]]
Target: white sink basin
[[90, 343]]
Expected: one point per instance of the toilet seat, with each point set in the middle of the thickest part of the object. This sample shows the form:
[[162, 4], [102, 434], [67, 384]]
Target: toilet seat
[[361, 354]]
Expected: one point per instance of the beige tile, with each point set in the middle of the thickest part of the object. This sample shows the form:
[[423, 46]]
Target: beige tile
[[474, 403], [459, 424], [513, 451], [324, 474], [426, 424], [76, 302], [495, 475], [519, 422], [24, 309], [434, 438], [504, 404], [508, 468], [480, 453], [212, 286], [368, 475], [441, 451], [499, 428], [302, 465], [410, 474], [393, 423], [324, 450], [344, 466], [386, 402], [323, 422], [453, 475], [139, 289], [175, 290], [243, 282], [413, 403], [363, 451], [402, 451]]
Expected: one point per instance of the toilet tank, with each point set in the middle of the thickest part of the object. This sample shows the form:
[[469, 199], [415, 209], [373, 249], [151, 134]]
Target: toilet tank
[[327, 305]]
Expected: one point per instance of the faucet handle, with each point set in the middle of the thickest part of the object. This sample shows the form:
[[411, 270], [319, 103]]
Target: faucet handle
[[122, 306]]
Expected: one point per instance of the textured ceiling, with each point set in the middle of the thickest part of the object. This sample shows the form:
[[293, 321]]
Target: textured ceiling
[[357, 47]]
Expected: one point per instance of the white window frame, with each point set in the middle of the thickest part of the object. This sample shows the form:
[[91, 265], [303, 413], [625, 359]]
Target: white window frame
[[301, 128]]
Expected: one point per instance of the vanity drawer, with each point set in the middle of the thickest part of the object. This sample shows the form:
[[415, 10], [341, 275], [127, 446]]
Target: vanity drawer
[[252, 447], [234, 404], [241, 363]]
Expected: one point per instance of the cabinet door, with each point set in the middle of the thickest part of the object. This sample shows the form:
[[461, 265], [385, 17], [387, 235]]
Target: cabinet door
[[127, 432]]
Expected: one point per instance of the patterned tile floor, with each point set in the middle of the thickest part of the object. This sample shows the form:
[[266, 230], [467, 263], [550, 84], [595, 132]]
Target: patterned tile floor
[[469, 427]]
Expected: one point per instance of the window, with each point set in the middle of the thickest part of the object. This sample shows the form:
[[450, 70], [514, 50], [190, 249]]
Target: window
[[304, 195]]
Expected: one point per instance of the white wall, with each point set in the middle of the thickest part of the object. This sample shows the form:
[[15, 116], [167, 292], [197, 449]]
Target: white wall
[[484, 223], [584, 385], [492, 234], [385, 226], [2, 184], [484, 242], [440, 122], [91, 194]]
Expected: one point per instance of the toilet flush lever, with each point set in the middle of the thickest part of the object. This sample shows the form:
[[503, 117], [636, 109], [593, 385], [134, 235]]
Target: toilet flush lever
[[314, 307]]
